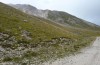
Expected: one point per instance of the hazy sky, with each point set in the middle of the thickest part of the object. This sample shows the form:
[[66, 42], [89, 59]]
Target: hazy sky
[[85, 9]]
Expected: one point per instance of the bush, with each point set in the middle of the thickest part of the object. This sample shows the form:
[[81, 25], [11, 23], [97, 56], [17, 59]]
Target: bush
[[30, 54], [7, 59], [16, 59], [24, 64]]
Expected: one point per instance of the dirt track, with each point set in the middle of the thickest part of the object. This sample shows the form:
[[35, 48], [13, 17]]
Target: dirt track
[[88, 56]]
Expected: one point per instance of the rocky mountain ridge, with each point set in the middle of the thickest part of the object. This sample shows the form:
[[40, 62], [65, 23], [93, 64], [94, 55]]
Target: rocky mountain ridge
[[59, 17]]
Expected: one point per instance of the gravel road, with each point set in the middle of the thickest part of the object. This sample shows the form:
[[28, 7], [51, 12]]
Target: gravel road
[[88, 56]]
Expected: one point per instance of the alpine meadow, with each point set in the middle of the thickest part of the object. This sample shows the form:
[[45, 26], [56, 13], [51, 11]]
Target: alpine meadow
[[30, 36]]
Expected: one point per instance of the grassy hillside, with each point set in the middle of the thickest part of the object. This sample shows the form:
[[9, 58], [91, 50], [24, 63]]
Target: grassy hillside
[[60, 17], [28, 39], [65, 18], [12, 20]]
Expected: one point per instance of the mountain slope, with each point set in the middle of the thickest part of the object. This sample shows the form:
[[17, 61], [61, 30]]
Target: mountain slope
[[60, 17], [17, 21], [26, 39]]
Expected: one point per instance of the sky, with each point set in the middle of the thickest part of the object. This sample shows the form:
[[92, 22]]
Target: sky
[[86, 9]]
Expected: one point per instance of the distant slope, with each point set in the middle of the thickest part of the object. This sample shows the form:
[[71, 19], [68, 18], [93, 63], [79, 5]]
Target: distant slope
[[60, 17], [26, 39]]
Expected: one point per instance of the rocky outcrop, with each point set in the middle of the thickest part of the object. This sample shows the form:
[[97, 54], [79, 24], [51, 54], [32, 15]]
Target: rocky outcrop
[[10, 48], [26, 34]]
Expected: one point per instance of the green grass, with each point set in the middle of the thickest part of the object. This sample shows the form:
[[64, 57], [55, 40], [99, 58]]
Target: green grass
[[11, 20]]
